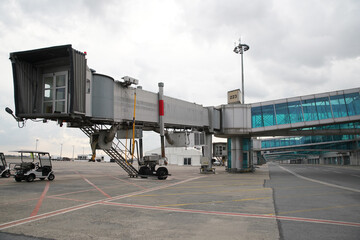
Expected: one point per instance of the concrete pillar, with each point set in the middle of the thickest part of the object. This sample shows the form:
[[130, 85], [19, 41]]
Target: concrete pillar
[[236, 154], [239, 150], [208, 149]]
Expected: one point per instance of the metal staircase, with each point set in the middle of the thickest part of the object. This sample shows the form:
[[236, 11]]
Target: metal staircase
[[115, 152]]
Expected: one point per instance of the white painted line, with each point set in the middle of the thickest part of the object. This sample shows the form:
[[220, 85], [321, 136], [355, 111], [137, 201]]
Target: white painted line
[[321, 182], [235, 214], [85, 205]]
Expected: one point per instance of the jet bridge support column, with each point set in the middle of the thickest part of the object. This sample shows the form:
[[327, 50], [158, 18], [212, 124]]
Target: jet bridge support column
[[208, 150], [161, 118], [240, 155]]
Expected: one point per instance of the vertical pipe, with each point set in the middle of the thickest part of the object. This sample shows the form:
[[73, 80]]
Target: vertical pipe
[[141, 148], [242, 77], [161, 117]]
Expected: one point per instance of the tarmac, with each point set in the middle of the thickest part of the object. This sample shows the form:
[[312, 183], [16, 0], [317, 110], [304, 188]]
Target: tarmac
[[99, 201]]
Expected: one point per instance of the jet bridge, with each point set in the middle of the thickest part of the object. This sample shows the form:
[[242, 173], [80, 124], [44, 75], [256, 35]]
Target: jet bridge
[[56, 84]]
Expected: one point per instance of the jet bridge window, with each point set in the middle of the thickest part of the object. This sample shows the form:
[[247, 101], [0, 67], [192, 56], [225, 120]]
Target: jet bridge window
[[55, 92]]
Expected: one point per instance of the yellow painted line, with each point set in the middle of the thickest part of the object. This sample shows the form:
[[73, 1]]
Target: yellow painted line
[[219, 185], [197, 193], [317, 209], [251, 199], [200, 203]]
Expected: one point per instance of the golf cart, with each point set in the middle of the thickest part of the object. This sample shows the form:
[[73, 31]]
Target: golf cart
[[4, 168], [37, 165]]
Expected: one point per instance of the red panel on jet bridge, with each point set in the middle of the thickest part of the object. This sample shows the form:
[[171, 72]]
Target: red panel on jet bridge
[[161, 107]]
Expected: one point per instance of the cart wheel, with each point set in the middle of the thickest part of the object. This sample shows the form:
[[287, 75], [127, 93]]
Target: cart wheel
[[30, 178], [51, 177], [18, 179], [6, 174], [162, 173]]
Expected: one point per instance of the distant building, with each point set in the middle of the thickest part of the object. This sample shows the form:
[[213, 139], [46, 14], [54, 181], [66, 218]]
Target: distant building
[[180, 156]]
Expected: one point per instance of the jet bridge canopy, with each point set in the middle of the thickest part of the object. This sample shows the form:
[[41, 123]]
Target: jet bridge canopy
[[49, 82]]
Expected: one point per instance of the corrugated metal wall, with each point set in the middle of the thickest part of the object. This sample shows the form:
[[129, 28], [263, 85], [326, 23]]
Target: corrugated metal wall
[[78, 82]]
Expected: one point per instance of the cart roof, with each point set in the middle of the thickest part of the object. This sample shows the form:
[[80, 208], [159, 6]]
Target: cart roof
[[30, 151]]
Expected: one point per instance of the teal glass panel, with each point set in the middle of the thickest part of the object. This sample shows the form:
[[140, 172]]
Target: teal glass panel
[[338, 106], [268, 115], [353, 103], [246, 144], [282, 113], [323, 108], [256, 117], [229, 152], [295, 112], [309, 108], [245, 160]]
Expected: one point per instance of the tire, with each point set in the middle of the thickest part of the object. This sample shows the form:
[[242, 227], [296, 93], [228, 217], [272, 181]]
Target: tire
[[51, 177], [18, 179], [144, 170], [162, 173], [6, 174], [30, 178]]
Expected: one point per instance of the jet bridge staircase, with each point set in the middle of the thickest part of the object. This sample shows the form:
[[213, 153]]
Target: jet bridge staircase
[[115, 152]]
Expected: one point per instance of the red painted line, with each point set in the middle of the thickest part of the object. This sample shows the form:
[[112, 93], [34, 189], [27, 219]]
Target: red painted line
[[39, 203], [81, 206], [104, 193], [45, 215], [128, 182], [249, 215]]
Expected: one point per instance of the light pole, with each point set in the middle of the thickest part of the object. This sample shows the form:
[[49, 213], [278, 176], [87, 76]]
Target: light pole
[[240, 49], [36, 144]]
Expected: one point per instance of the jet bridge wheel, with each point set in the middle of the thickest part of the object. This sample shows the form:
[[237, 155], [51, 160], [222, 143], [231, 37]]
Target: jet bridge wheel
[[143, 171], [162, 173]]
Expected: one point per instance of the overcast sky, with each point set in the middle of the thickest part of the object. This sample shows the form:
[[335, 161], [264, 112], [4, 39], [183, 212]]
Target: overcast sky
[[296, 48]]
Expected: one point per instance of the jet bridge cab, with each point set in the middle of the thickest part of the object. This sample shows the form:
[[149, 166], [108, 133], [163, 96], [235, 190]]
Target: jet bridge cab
[[50, 83]]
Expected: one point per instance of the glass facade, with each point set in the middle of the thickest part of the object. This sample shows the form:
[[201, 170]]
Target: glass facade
[[342, 105], [294, 141]]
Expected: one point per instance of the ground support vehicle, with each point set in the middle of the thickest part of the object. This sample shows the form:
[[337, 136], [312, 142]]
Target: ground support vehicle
[[4, 168], [147, 167], [37, 165]]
